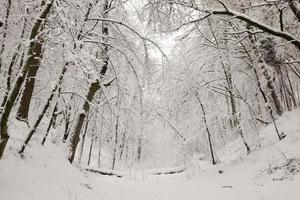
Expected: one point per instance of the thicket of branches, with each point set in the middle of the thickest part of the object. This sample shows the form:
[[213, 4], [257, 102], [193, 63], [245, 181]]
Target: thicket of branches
[[88, 74]]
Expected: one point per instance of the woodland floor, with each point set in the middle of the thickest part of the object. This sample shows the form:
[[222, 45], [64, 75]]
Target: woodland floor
[[268, 173]]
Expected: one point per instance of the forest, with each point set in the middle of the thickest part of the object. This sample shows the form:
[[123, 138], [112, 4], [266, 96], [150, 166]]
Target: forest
[[108, 99]]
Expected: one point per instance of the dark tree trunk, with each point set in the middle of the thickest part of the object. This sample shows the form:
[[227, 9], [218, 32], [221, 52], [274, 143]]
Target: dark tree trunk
[[46, 106], [67, 122], [25, 100], [207, 131], [83, 139], [295, 7], [235, 121], [50, 124], [74, 137], [99, 152], [20, 79], [26, 96], [12, 63], [91, 150], [115, 144], [4, 31], [272, 90], [122, 145], [268, 107]]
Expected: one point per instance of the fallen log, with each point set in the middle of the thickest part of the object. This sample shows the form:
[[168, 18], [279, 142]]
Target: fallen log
[[105, 172], [175, 170], [118, 174]]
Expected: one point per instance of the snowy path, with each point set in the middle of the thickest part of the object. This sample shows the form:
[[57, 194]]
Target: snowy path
[[45, 174], [43, 178]]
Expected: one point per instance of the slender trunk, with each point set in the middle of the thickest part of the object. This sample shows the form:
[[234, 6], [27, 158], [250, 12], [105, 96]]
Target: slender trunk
[[139, 150], [268, 107], [12, 63], [235, 121], [122, 145], [292, 93], [295, 7], [50, 124], [46, 106], [271, 88], [74, 137], [91, 150], [67, 122], [4, 32], [207, 131], [83, 139], [115, 144], [99, 152], [20, 79]]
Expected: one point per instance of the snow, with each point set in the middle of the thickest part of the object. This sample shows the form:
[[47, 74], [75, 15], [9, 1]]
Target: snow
[[45, 173]]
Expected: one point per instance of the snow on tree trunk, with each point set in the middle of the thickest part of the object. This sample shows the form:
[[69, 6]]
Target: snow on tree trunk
[[45, 108], [4, 32], [75, 134], [295, 7], [20, 78]]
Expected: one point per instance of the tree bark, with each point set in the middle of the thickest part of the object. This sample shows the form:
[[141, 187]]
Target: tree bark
[[91, 150], [272, 90], [235, 122], [99, 152], [295, 7], [115, 144], [25, 100], [207, 131], [26, 96], [46, 106], [20, 79], [83, 139], [5, 32], [50, 124], [67, 122], [74, 137], [11, 65]]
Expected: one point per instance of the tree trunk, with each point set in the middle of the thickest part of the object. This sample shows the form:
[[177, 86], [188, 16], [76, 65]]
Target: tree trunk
[[25, 100], [83, 139], [99, 152], [20, 79], [268, 107], [115, 144], [272, 90], [295, 7], [122, 145], [74, 137], [4, 32], [235, 121], [207, 131], [50, 124], [37, 122], [91, 150], [67, 122], [12, 63]]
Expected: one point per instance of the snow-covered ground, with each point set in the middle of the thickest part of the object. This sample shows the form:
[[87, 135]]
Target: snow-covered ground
[[269, 173]]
